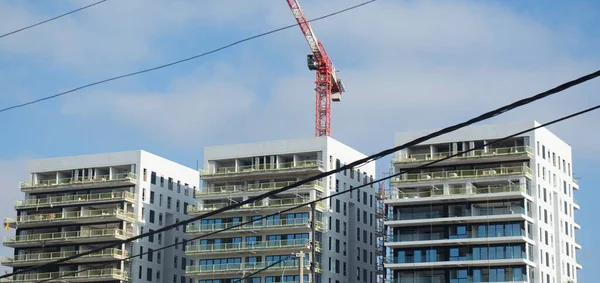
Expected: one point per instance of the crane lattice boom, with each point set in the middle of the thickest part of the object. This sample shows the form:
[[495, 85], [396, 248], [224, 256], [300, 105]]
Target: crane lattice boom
[[327, 85]]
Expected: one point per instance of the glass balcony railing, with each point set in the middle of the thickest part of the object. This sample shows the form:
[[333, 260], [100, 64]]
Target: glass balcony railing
[[70, 235], [304, 164], [79, 198], [464, 213], [399, 194], [234, 267], [78, 181], [72, 215], [463, 174], [109, 273], [466, 257], [246, 246], [259, 204], [502, 151], [268, 224], [257, 187], [37, 257], [444, 236]]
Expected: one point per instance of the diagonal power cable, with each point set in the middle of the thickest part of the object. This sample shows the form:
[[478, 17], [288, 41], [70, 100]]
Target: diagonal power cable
[[353, 164], [350, 190], [52, 19], [179, 61]]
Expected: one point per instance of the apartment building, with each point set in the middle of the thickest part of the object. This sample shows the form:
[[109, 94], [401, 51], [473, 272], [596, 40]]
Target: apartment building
[[504, 213], [342, 229], [77, 203]]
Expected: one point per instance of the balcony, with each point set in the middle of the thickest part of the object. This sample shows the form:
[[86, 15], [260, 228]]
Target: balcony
[[474, 215], [269, 204], [503, 154], [76, 199], [70, 237], [303, 167], [216, 270], [277, 246], [439, 261], [444, 239], [40, 258], [269, 226], [71, 217], [400, 197], [487, 173], [66, 184], [233, 190], [94, 275]]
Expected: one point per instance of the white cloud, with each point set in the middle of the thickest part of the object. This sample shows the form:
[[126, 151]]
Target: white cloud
[[406, 66]]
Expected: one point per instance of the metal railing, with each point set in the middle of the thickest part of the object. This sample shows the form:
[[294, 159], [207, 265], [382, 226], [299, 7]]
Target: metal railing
[[76, 215], [463, 213], [257, 187], [259, 204], [445, 236], [244, 246], [302, 164], [467, 257], [70, 235], [35, 257], [279, 223], [399, 194], [78, 181], [229, 267], [462, 174], [502, 151], [65, 275], [79, 198]]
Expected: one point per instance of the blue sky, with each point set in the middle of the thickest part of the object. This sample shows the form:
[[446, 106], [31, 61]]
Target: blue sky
[[406, 64]]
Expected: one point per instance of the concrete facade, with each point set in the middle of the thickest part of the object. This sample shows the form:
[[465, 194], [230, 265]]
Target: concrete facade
[[77, 203], [344, 226], [501, 214]]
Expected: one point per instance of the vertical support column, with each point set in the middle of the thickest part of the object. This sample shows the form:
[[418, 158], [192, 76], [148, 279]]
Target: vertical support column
[[313, 263], [300, 257]]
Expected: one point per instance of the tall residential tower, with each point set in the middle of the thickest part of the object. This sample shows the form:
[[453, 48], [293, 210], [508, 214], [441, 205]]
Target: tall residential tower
[[504, 213], [74, 204], [343, 228]]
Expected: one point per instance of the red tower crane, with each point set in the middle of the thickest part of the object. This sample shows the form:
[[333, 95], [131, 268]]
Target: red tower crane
[[328, 86]]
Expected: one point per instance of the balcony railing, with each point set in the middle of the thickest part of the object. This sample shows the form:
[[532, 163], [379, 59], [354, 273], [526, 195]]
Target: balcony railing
[[399, 194], [76, 215], [233, 267], [71, 235], [502, 151], [246, 246], [269, 224], [464, 213], [259, 204], [69, 199], [257, 187], [303, 164], [36, 257], [463, 174], [444, 236], [466, 257], [66, 275], [79, 181]]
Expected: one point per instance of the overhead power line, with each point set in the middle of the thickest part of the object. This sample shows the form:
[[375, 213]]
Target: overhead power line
[[52, 19], [370, 158], [350, 190], [180, 61]]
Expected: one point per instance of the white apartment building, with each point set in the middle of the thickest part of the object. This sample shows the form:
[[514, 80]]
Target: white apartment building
[[344, 227], [501, 214], [77, 203]]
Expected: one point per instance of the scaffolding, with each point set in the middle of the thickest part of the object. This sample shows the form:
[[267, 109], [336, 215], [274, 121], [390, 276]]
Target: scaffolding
[[380, 230]]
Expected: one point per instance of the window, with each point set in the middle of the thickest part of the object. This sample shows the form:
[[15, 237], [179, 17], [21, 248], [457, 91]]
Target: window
[[185, 208], [144, 194], [337, 246], [175, 260], [151, 197], [149, 274], [358, 214], [145, 179], [151, 218], [162, 181], [153, 178], [177, 206], [170, 184], [345, 209], [337, 205], [150, 255]]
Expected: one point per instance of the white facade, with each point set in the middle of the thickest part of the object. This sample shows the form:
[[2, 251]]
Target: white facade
[[233, 173], [78, 203], [502, 214]]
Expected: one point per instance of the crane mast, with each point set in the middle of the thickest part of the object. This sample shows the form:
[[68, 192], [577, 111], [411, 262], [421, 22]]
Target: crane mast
[[328, 86]]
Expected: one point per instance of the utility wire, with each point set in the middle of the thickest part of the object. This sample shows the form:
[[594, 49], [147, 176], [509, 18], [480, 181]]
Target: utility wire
[[180, 61], [356, 188], [52, 19], [353, 164], [262, 269]]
